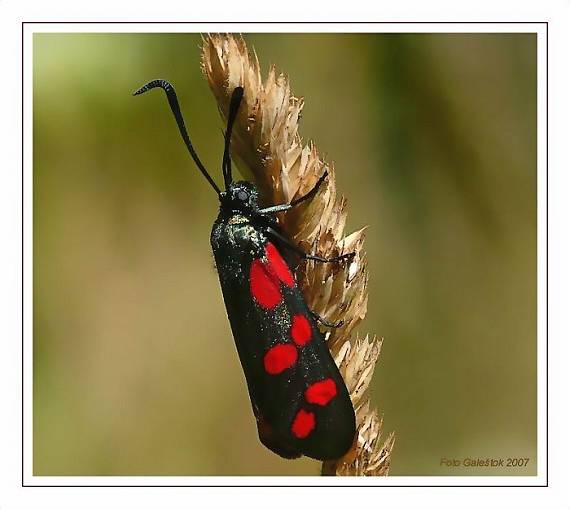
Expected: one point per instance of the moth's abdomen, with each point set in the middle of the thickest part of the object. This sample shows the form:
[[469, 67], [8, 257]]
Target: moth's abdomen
[[299, 398]]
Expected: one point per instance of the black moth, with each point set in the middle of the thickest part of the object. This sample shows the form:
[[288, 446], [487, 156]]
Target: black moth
[[299, 398]]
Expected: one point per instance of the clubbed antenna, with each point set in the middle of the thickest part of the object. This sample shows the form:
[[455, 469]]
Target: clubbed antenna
[[237, 96], [175, 107]]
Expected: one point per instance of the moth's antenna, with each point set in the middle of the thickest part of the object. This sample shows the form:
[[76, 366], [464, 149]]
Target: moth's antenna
[[175, 107], [235, 101]]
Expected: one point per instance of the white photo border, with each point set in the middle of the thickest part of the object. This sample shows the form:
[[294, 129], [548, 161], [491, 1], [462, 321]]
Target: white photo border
[[541, 31]]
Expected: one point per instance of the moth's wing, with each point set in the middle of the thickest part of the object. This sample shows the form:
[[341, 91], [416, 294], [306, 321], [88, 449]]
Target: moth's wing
[[258, 326], [334, 417]]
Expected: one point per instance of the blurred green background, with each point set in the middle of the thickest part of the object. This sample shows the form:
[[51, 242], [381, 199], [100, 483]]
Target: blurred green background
[[434, 141]]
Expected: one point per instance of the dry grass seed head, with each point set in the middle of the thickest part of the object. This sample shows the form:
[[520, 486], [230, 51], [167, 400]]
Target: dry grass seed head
[[267, 147]]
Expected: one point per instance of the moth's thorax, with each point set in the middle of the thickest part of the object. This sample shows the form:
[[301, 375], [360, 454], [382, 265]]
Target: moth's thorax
[[236, 232]]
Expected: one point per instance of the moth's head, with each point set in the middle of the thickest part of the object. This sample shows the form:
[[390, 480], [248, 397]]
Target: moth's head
[[240, 196]]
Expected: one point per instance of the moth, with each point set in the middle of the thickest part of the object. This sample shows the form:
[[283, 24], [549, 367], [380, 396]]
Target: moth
[[299, 399]]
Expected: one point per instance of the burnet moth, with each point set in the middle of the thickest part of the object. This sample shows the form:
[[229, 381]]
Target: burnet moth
[[299, 399]]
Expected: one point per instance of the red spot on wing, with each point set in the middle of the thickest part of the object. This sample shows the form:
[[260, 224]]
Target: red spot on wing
[[264, 288], [279, 357], [301, 330], [320, 393], [303, 424], [278, 265]]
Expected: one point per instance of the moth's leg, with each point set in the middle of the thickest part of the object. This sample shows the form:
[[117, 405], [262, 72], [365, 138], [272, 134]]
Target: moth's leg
[[287, 206], [326, 323], [285, 242]]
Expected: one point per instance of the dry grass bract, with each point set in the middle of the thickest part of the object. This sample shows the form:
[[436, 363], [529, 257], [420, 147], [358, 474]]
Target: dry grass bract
[[267, 147]]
